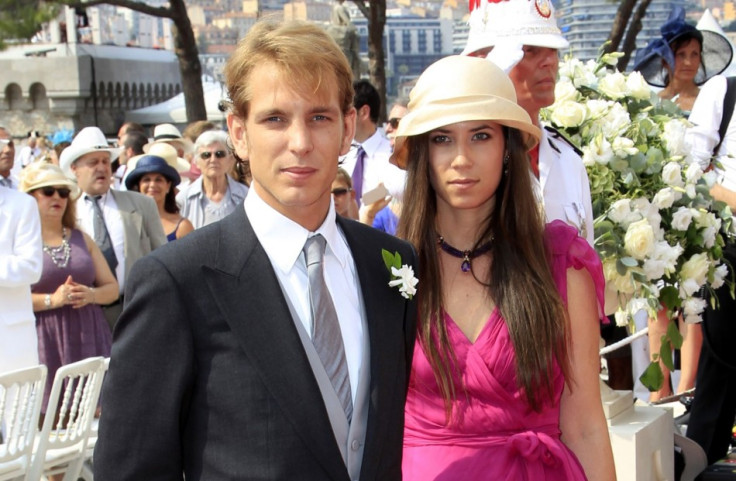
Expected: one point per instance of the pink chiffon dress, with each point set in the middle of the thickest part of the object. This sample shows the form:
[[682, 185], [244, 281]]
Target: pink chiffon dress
[[494, 434]]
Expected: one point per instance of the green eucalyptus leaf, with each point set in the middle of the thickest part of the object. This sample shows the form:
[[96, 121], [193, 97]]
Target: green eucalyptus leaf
[[652, 377], [388, 259], [673, 333]]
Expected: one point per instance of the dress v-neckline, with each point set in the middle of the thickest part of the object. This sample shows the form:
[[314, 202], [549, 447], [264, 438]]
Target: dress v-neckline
[[450, 321]]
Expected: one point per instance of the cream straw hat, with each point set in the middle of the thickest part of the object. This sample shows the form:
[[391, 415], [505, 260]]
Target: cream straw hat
[[459, 89]]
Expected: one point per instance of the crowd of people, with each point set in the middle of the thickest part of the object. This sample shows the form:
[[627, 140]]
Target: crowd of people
[[259, 329]]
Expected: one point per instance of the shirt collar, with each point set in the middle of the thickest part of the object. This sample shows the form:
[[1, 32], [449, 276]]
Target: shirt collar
[[283, 239], [373, 143]]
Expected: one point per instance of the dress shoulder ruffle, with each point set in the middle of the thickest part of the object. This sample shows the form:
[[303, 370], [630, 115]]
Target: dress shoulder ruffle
[[568, 249]]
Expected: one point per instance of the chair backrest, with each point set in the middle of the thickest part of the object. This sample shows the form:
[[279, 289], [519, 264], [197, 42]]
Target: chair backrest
[[69, 413], [21, 393]]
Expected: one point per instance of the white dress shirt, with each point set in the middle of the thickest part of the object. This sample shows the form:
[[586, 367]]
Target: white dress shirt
[[376, 166], [114, 223], [703, 136], [283, 241]]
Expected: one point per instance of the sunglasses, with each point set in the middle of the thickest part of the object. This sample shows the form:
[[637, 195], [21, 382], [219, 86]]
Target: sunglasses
[[219, 154], [340, 191], [394, 122], [49, 191]]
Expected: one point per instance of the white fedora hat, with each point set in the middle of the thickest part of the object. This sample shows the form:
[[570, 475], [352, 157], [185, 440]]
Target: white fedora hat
[[89, 139], [525, 22], [168, 133]]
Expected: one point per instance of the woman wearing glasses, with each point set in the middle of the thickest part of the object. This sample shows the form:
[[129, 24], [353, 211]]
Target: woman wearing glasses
[[214, 194], [75, 280]]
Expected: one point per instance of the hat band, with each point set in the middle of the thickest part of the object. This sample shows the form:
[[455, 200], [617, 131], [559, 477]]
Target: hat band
[[167, 137]]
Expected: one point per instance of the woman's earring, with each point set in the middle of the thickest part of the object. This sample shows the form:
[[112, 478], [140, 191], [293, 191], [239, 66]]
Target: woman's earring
[[506, 163]]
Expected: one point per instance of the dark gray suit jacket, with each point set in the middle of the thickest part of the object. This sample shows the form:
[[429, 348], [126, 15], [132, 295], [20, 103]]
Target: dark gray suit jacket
[[209, 378]]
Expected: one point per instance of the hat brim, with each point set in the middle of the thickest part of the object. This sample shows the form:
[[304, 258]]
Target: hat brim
[[185, 143], [181, 164], [430, 117], [548, 40], [167, 171], [75, 190], [72, 153], [717, 56]]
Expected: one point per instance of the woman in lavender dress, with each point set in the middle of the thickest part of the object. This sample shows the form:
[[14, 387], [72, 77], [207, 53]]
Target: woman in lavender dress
[[75, 281]]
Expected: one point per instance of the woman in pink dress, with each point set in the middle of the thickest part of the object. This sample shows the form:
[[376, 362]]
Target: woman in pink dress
[[504, 379]]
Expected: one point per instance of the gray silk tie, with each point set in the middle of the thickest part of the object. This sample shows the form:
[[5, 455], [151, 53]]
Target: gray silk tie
[[102, 235], [6, 182], [326, 334]]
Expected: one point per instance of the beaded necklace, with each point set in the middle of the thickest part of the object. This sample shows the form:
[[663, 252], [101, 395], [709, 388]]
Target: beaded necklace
[[60, 255]]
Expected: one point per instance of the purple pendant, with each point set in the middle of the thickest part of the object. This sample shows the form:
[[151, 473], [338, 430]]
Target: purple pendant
[[465, 266]]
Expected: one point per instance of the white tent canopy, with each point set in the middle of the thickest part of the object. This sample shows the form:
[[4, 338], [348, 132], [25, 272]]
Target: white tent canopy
[[173, 111]]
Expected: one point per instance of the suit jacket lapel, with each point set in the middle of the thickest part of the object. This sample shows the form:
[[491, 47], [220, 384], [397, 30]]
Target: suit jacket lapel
[[248, 294], [379, 308]]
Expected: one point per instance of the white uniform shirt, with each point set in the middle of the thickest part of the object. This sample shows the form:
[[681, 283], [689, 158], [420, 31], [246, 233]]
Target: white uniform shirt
[[565, 185], [703, 136]]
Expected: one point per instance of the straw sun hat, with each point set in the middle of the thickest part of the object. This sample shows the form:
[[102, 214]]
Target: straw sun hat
[[460, 89], [43, 174], [89, 139]]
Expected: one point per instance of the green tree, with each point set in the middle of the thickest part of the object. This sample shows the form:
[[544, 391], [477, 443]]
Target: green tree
[[21, 20], [185, 45]]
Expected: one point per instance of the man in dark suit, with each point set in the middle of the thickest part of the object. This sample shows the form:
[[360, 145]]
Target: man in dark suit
[[218, 371]]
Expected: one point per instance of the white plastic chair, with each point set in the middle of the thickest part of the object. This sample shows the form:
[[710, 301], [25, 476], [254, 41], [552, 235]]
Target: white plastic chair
[[86, 474], [21, 394], [62, 442]]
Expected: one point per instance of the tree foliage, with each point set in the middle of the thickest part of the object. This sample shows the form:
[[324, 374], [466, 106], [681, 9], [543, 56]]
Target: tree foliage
[[375, 12], [621, 21], [21, 20]]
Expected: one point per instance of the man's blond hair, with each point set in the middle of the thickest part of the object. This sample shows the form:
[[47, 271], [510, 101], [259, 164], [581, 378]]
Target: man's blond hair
[[303, 52]]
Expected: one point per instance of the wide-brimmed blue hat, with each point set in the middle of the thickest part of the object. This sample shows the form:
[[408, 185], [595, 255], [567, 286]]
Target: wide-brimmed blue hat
[[716, 51], [149, 164]]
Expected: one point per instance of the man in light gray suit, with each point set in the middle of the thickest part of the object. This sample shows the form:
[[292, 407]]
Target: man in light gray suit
[[125, 225], [218, 369]]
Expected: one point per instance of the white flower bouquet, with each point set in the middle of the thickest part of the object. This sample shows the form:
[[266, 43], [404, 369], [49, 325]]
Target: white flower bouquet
[[658, 231]]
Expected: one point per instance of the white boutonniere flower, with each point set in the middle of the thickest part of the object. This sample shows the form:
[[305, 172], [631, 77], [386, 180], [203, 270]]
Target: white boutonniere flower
[[402, 275]]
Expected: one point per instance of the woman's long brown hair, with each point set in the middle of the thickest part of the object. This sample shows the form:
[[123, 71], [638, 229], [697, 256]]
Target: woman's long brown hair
[[520, 280]]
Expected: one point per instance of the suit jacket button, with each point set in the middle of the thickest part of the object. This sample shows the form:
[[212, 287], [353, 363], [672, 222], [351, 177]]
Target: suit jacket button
[[355, 445]]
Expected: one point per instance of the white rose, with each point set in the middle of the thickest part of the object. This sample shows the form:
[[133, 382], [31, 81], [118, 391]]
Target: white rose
[[569, 114], [622, 318], [613, 85], [654, 268], [696, 268], [565, 90], [681, 218], [598, 108], [688, 288], [598, 151], [692, 308], [638, 87], [639, 239], [669, 255], [674, 137], [623, 147], [693, 173], [637, 304], [664, 198], [709, 236], [672, 174], [616, 121], [619, 210], [719, 276]]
